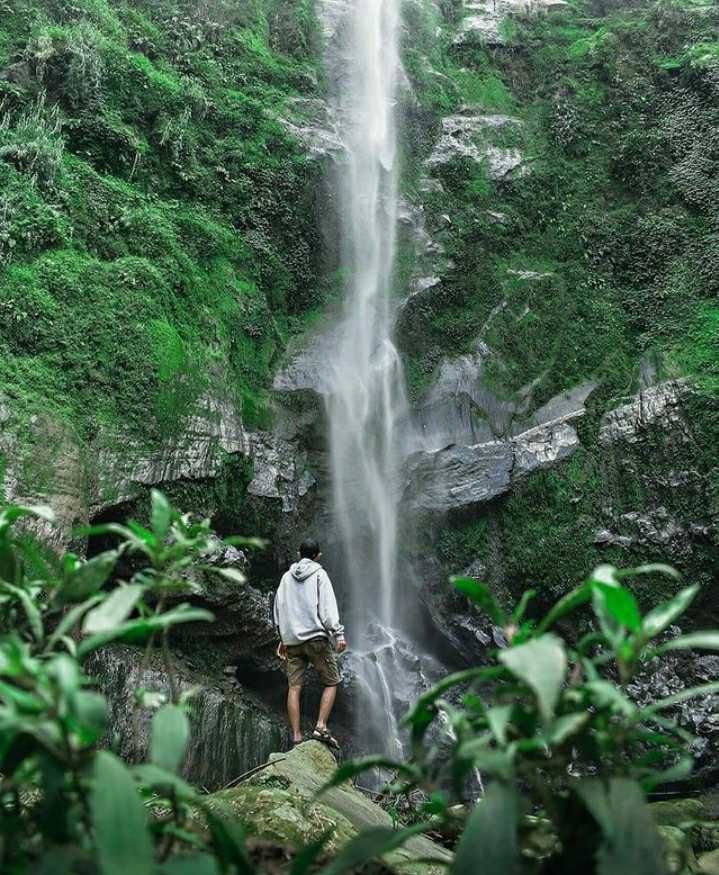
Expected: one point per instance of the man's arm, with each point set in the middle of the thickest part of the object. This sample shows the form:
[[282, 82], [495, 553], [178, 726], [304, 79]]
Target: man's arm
[[281, 648], [329, 613]]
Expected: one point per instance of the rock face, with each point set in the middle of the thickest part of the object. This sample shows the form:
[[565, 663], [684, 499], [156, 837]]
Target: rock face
[[477, 138], [231, 731], [280, 804], [458, 477], [483, 19]]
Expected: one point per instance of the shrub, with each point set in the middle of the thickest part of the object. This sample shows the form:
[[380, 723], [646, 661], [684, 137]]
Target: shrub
[[550, 727]]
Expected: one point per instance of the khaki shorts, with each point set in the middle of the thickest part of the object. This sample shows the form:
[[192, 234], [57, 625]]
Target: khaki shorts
[[317, 652]]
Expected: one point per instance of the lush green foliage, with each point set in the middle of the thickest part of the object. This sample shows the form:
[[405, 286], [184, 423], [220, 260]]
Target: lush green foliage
[[551, 729], [65, 806], [153, 233]]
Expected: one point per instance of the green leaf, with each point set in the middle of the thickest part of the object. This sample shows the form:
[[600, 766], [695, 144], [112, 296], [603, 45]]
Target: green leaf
[[137, 631], [14, 512], [116, 608], [30, 609], [695, 640], [170, 732], [159, 779], [607, 695], [652, 568], [489, 842], [631, 844], [664, 615], [480, 594], [70, 620], [492, 761], [519, 612], [565, 727], [121, 836], [606, 574], [190, 864], [86, 578], [542, 665], [371, 843], [620, 604], [230, 574], [498, 719], [160, 515], [351, 769], [568, 603], [682, 696]]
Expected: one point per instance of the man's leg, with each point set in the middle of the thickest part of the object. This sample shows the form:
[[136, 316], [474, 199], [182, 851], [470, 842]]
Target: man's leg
[[293, 712], [329, 694]]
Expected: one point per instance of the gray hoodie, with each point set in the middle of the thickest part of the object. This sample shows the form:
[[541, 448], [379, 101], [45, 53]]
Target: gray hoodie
[[305, 605]]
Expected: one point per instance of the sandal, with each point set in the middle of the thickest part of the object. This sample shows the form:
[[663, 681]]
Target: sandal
[[325, 737]]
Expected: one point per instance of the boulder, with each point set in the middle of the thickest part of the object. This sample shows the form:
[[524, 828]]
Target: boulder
[[708, 864], [676, 850], [279, 803]]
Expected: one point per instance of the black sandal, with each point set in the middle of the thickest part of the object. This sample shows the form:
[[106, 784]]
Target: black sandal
[[325, 737]]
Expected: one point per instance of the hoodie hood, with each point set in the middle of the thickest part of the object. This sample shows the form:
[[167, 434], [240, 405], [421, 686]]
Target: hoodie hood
[[303, 569]]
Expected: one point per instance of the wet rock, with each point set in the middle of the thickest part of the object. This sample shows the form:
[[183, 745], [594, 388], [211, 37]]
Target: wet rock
[[708, 864], [280, 804], [464, 629], [661, 404], [676, 850], [280, 471], [700, 716], [471, 137], [45, 465], [314, 124], [457, 477], [125, 468], [483, 19], [231, 731]]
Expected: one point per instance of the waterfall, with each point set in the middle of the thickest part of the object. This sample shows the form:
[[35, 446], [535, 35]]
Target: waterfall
[[367, 400]]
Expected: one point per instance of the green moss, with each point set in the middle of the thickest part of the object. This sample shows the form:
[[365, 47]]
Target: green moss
[[153, 233]]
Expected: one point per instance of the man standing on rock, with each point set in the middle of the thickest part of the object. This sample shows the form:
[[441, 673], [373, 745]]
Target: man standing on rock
[[308, 623]]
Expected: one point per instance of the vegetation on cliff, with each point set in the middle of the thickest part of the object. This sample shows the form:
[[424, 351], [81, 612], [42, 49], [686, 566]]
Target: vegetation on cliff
[[155, 239], [593, 259]]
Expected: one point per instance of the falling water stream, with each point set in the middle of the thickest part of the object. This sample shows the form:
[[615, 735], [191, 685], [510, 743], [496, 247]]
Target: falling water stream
[[368, 399]]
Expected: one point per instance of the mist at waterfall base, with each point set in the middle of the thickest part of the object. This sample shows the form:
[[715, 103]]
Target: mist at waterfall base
[[367, 405]]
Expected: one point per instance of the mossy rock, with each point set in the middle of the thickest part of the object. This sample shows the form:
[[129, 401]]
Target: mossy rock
[[677, 850], [279, 804], [677, 812]]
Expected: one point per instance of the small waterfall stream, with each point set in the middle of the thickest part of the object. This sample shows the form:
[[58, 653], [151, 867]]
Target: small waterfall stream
[[368, 400]]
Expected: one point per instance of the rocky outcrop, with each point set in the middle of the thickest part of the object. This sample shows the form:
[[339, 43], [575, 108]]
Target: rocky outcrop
[[124, 467], [478, 138], [48, 463], [482, 21], [661, 404], [231, 731], [280, 804], [46, 466], [459, 477], [313, 123]]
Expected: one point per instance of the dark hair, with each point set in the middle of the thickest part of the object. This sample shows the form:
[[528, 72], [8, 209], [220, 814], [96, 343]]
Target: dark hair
[[309, 548]]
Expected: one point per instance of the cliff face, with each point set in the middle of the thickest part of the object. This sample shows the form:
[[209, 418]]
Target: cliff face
[[168, 278]]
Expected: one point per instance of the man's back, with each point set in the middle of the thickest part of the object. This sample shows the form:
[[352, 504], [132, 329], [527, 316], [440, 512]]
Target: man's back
[[305, 605]]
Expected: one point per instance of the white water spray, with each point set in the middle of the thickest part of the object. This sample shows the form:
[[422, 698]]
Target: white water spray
[[368, 400]]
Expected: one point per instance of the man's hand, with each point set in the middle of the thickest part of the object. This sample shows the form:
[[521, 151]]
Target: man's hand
[[341, 645], [282, 650]]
